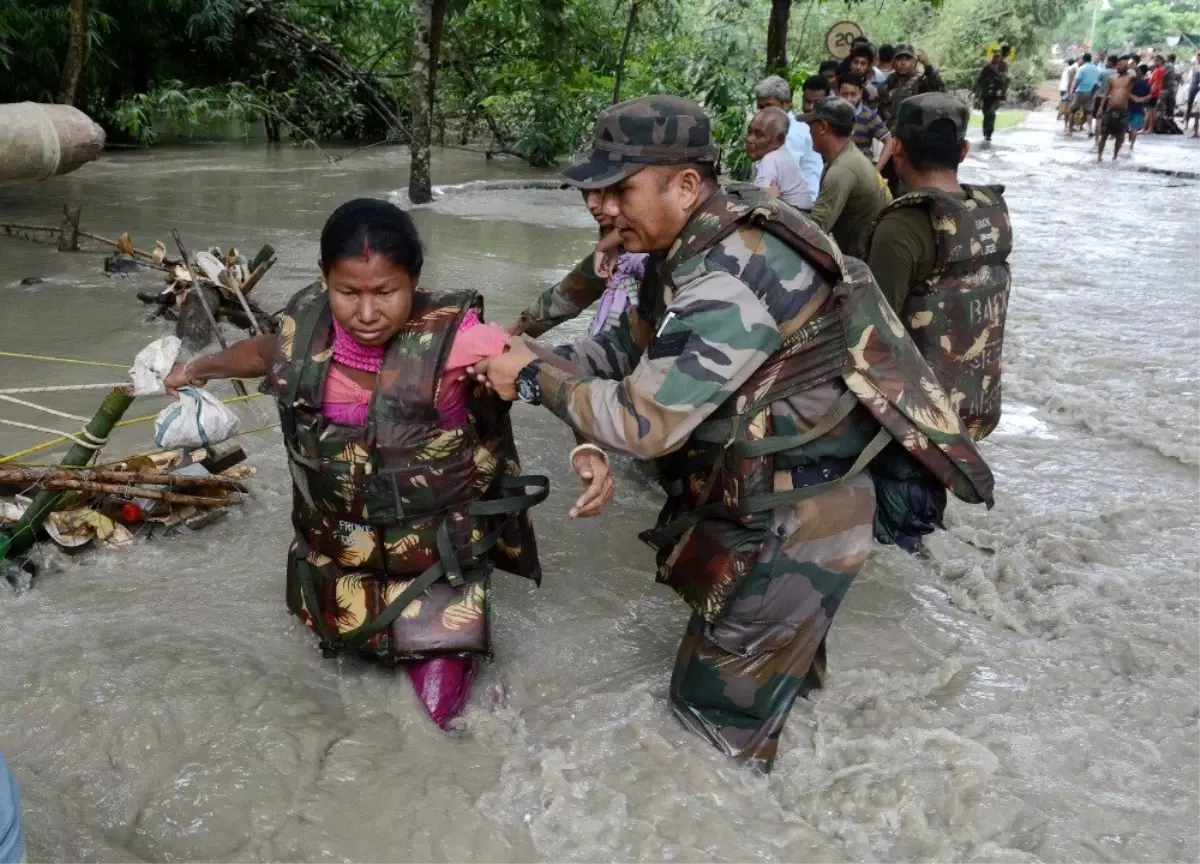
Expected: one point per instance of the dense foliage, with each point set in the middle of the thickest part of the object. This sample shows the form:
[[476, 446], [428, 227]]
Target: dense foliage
[[521, 76], [1145, 23]]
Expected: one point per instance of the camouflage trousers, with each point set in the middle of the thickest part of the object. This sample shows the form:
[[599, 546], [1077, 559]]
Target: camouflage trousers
[[735, 680]]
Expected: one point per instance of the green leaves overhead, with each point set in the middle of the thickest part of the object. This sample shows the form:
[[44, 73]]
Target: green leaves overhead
[[519, 76]]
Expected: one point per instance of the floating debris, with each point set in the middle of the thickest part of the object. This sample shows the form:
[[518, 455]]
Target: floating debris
[[153, 496]]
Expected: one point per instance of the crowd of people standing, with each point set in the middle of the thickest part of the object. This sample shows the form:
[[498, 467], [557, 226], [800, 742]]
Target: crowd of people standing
[[1121, 96], [833, 159]]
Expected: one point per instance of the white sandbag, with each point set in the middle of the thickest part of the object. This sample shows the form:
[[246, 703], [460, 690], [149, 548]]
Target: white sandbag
[[196, 419], [39, 140], [152, 365]]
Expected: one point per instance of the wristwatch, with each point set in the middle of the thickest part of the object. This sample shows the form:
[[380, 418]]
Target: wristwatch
[[528, 388]]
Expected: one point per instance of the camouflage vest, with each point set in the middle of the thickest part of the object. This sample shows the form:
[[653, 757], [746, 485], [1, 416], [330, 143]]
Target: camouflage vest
[[956, 317], [399, 499], [727, 468], [896, 91]]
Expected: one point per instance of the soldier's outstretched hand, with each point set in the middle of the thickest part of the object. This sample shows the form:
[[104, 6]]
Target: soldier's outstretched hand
[[592, 467], [499, 371]]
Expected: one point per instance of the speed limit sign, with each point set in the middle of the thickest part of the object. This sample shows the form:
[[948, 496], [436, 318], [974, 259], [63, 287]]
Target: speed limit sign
[[839, 39]]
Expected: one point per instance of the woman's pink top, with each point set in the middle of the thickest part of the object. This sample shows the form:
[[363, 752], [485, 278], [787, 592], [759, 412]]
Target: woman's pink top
[[346, 403]]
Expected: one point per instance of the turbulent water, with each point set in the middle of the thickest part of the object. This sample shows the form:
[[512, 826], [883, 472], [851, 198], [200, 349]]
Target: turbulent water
[[1030, 693]]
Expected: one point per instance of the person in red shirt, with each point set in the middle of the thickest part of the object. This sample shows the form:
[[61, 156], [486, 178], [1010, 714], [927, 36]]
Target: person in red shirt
[[1156, 88]]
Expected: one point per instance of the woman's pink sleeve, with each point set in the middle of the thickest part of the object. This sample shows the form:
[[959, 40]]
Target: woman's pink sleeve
[[474, 341]]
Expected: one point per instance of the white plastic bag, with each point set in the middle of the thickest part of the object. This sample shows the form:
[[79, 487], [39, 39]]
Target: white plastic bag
[[152, 365], [197, 418]]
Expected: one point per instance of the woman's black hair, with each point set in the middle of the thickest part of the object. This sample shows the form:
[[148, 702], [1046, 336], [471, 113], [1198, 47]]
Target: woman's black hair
[[369, 226]]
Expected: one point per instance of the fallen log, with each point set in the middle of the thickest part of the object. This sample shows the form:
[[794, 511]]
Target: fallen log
[[98, 475], [57, 486]]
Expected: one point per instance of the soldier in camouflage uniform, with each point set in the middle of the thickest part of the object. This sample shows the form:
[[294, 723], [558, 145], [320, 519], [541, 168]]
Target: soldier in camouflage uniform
[[940, 254], [763, 372], [901, 84], [905, 82], [570, 298], [579, 289]]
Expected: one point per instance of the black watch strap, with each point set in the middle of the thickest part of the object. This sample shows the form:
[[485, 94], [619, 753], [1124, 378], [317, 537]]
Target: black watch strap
[[528, 388]]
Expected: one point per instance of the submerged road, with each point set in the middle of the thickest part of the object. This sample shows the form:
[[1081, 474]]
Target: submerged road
[[1028, 694]]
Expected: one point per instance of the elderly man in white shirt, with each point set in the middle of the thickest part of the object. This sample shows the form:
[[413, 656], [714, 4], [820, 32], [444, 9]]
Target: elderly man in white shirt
[[774, 168], [774, 92]]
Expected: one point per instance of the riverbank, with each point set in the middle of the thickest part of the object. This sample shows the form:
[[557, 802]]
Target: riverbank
[[1006, 118]]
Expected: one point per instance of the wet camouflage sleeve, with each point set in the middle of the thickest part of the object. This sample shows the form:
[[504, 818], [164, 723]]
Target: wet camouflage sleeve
[[719, 327], [578, 290], [714, 335], [610, 354]]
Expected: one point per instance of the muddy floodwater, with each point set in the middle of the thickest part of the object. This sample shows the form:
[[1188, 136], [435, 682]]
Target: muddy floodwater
[[1027, 694]]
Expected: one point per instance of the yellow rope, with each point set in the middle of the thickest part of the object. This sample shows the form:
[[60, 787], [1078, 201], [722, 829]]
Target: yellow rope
[[132, 422], [154, 452], [63, 360], [253, 431]]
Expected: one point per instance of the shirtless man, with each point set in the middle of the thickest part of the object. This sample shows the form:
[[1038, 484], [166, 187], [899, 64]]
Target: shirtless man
[[1114, 110]]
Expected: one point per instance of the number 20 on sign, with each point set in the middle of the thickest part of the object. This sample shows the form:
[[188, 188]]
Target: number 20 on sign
[[839, 38]]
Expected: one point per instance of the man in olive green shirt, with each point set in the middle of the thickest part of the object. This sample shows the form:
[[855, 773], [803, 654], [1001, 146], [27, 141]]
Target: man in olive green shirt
[[852, 192]]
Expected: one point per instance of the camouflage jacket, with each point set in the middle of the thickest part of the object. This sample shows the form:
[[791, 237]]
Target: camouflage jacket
[[732, 294], [578, 290], [396, 497], [956, 317], [895, 90]]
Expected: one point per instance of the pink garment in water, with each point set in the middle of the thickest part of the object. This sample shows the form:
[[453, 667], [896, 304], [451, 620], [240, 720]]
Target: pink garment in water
[[443, 684]]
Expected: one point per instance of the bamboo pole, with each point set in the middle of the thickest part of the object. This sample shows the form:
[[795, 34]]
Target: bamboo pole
[[97, 430], [10, 227], [58, 486], [51, 475]]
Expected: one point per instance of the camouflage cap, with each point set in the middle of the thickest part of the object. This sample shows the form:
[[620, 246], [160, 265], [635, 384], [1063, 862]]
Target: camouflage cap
[[650, 130], [905, 48], [917, 113], [835, 111]]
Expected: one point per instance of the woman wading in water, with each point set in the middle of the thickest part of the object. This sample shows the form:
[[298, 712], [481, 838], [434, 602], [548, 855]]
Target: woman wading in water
[[406, 480]]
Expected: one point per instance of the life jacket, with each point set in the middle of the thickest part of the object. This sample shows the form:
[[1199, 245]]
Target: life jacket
[[398, 510], [723, 478], [956, 316]]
